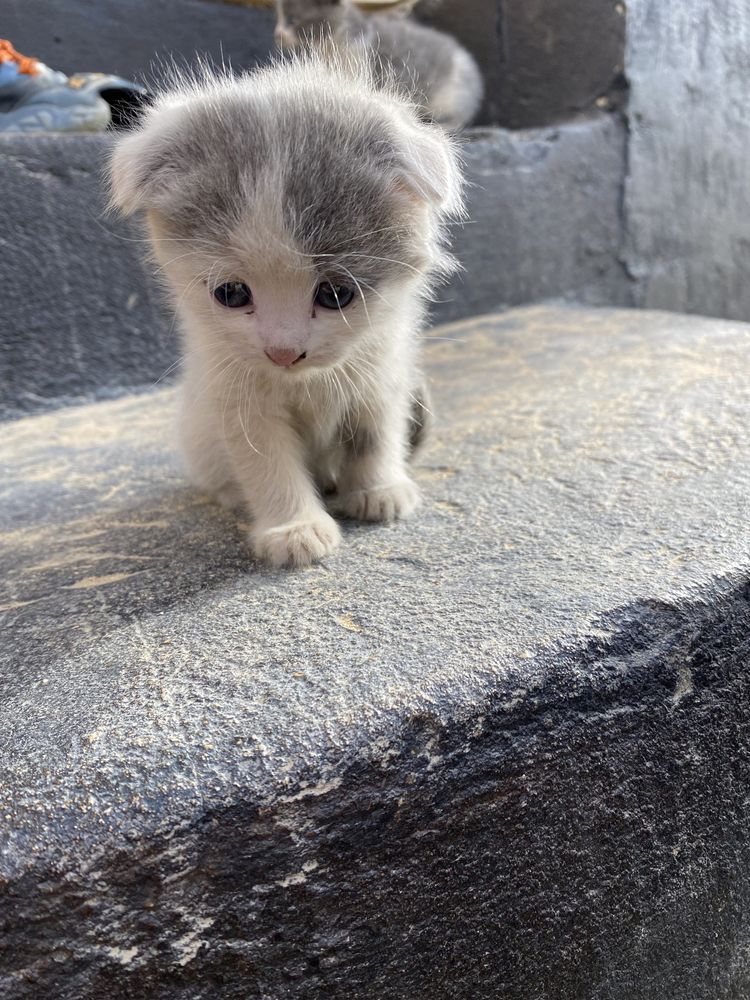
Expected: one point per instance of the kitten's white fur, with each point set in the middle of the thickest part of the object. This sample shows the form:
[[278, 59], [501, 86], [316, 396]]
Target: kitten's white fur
[[254, 434]]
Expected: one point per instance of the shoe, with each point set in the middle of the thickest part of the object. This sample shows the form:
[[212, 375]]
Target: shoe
[[35, 98]]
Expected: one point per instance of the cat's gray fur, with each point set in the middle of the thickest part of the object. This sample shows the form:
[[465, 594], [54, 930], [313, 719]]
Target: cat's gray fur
[[436, 72], [280, 179]]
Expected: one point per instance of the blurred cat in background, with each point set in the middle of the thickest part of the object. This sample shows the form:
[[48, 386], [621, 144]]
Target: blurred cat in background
[[436, 72]]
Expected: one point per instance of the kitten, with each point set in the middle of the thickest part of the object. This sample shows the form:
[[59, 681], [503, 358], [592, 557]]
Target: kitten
[[297, 213], [437, 72]]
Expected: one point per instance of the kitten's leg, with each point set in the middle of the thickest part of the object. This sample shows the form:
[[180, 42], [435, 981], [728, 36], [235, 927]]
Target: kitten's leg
[[291, 527], [376, 485]]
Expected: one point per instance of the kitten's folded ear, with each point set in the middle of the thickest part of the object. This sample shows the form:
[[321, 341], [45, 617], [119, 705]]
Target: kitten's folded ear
[[142, 167], [428, 169]]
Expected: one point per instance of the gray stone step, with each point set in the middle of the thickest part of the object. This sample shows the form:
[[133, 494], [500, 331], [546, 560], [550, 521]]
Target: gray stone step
[[500, 751]]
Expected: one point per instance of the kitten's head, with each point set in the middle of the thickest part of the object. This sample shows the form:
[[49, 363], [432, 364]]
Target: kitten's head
[[293, 210], [301, 22]]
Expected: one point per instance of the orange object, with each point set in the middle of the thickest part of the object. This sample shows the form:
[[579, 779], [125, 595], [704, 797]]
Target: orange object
[[25, 63]]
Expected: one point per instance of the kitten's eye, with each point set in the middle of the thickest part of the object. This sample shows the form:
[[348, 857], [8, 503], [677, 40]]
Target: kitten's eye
[[331, 296], [233, 294]]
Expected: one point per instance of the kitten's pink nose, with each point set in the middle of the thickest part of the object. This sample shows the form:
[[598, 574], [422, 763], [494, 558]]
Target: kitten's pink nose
[[282, 357]]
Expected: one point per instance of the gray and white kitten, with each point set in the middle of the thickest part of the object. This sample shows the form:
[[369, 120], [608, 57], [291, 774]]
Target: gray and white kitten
[[437, 72], [297, 213]]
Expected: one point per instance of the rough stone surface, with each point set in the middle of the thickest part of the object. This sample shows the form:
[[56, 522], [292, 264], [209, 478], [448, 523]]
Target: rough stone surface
[[544, 208], [688, 187], [499, 752]]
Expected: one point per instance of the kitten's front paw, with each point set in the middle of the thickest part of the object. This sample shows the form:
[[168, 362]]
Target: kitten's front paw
[[298, 543], [382, 503]]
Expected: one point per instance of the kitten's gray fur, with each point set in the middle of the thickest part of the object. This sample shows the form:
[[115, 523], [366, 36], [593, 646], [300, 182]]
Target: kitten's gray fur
[[436, 72], [281, 179]]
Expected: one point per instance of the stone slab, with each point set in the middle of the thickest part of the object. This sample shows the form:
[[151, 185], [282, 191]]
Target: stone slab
[[500, 751], [544, 208]]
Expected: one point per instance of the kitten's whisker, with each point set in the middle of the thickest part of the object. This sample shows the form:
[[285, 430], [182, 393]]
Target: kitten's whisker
[[359, 396], [215, 368], [387, 260], [228, 363], [361, 295], [372, 289], [240, 399], [352, 430], [360, 236], [228, 395], [184, 355], [307, 390], [342, 314], [175, 364], [205, 388], [161, 269], [150, 240], [343, 400], [185, 291], [373, 232], [421, 402]]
